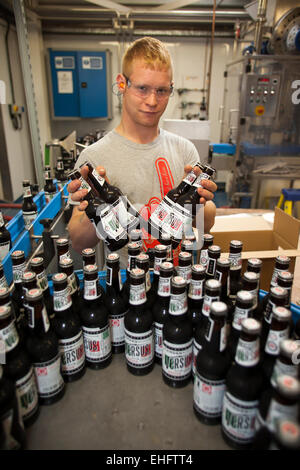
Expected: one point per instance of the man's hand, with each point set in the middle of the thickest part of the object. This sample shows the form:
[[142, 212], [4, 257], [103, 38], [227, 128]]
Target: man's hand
[[77, 194], [209, 187]]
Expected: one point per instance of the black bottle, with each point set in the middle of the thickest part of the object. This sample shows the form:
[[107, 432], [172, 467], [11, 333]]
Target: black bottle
[[222, 275], [66, 265], [17, 295], [42, 348], [196, 294], [208, 240], [12, 435], [243, 388], [49, 188], [29, 207], [88, 256], [283, 279], [287, 363], [138, 327], [28, 282], [177, 338], [18, 368], [37, 266], [212, 365], [67, 327], [160, 256], [134, 249], [243, 309], [62, 249], [278, 331], [282, 263], [60, 174], [278, 296], [160, 308], [142, 262], [166, 240], [235, 256], [213, 254], [5, 239], [94, 321], [5, 300], [250, 283], [184, 268], [280, 401], [115, 304]]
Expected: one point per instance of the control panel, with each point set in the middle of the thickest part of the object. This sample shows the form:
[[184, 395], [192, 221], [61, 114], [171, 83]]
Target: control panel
[[260, 94]]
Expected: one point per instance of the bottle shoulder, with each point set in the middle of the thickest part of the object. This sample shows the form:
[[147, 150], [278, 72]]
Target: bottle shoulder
[[245, 383], [177, 330], [138, 319]]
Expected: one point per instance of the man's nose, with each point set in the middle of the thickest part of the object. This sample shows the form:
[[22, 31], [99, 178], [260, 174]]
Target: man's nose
[[152, 98]]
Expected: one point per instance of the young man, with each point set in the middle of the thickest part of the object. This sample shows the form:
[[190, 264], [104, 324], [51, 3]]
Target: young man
[[141, 159]]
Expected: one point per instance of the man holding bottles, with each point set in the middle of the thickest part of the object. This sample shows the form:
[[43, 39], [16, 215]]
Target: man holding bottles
[[138, 157]]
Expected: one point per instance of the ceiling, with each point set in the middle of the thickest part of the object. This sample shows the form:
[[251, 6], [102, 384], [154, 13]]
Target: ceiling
[[139, 17]]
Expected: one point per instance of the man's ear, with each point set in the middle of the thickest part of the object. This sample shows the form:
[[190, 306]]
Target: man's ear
[[121, 82]]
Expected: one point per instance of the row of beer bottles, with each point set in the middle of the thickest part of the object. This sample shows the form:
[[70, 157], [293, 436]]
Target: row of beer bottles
[[234, 393]]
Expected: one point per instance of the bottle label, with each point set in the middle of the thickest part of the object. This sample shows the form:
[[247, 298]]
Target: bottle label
[[90, 290], [208, 300], [98, 177], [204, 257], [223, 334], [202, 176], [84, 184], [178, 304], [3, 282], [190, 178], [177, 360], [64, 256], [196, 348], [27, 191], [157, 263], [112, 227], [162, 212], [238, 419], [211, 266], [283, 369], [116, 323], [164, 287], [126, 219], [239, 315], [49, 196], [278, 411], [72, 283], [28, 218], [62, 299], [18, 272], [97, 343], [179, 223], [274, 339], [247, 352], [139, 348], [196, 289], [49, 378], [185, 272], [10, 336], [208, 396], [158, 339], [235, 260], [131, 264], [72, 354], [4, 249], [42, 281], [27, 394], [137, 294]]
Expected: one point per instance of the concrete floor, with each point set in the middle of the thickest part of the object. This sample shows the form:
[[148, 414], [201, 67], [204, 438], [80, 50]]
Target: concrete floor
[[113, 409]]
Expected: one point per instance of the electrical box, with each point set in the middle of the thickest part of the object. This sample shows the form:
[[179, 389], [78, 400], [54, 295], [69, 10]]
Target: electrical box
[[261, 95], [80, 84]]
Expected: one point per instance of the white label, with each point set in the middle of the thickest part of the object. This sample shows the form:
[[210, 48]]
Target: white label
[[190, 178], [274, 339], [283, 369], [10, 336], [178, 304], [49, 378], [116, 323], [162, 212], [157, 263], [177, 360], [238, 419], [204, 257], [97, 343], [158, 339], [137, 294], [62, 300], [164, 286], [120, 209], [72, 354], [64, 256], [196, 289], [90, 290], [208, 396], [18, 272], [278, 411], [202, 176], [208, 300], [235, 260], [84, 184], [110, 223], [31, 319], [196, 349], [27, 394], [268, 311], [4, 249], [42, 281], [28, 218], [247, 352], [98, 177], [185, 272], [239, 315], [139, 348], [72, 283]]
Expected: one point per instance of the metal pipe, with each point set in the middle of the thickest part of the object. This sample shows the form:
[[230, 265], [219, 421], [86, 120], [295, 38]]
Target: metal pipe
[[261, 19], [211, 58]]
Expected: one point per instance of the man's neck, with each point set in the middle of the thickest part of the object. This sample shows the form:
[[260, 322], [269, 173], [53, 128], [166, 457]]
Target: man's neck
[[137, 134]]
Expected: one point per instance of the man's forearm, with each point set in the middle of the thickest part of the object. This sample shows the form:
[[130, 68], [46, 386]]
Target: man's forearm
[[81, 230]]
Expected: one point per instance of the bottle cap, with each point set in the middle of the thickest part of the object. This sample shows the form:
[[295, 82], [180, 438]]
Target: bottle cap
[[288, 347], [213, 284], [191, 237], [160, 249], [4, 311], [166, 266], [59, 278], [281, 314], [88, 252], [62, 241], [187, 245], [185, 256], [134, 247], [143, 257], [28, 276], [37, 261], [288, 433], [218, 309], [223, 262], [250, 276], [66, 262], [18, 254], [214, 249], [34, 294], [178, 281], [136, 234], [113, 258], [244, 296], [236, 244], [255, 262], [283, 260], [4, 292], [289, 386], [285, 276], [198, 269], [137, 273], [278, 292], [207, 237], [251, 326], [90, 269]]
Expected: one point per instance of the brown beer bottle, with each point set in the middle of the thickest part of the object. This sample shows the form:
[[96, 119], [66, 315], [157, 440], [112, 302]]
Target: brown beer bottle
[[37, 266], [66, 265], [29, 207], [278, 296], [286, 364], [243, 309], [235, 256], [213, 254], [184, 268], [17, 295], [208, 240], [5, 239], [196, 294], [134, 249], [142, 262], [88, 256]]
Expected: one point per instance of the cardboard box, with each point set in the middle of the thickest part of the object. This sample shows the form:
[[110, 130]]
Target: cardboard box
[[260, 239]]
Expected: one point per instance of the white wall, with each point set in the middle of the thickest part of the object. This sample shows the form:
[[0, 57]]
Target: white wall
[[18, 142]]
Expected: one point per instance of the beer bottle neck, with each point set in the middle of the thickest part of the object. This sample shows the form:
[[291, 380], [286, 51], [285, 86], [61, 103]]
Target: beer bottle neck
[[137, 295], [178, 303], [91, 288], [215, 335], [113, 279], [38, 321], [247, 352], [62, 300], [164, 287]]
